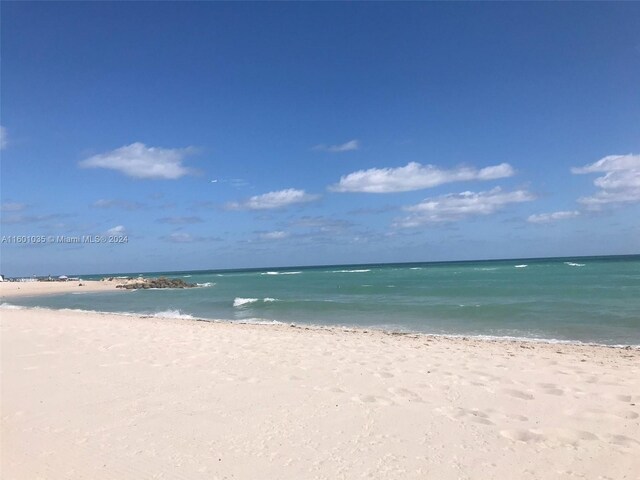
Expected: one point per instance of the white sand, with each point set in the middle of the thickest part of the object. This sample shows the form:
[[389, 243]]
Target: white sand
[[93, 396], [25, 289]]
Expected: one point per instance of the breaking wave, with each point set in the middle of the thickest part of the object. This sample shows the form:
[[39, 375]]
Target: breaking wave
[[8, 306], [240, 301], [351, 271], [280, 273], [173, 314]]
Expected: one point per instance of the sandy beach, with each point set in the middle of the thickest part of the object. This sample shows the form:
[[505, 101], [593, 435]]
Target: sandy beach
[[28, 289], [97, 396]]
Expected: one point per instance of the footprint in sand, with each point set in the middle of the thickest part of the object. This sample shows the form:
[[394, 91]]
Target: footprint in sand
[[550, 437], [565, 436], [478, 416], [623, 440], [600, 413], [628, 398], [525, 436], [372, 399], [551, 389], [474, 415], [405, 394], [518, 394], [519, 418]]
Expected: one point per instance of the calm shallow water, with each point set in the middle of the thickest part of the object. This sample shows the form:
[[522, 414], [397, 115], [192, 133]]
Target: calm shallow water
[[594, 299]]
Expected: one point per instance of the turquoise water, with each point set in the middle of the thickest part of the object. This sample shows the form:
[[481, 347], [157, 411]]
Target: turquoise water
[[594, 299]]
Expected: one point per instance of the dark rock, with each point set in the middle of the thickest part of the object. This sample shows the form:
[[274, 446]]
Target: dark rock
[[161, 282]]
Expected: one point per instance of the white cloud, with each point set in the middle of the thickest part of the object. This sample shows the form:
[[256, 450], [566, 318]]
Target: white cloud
[[415, 176], [180, 237], [114, 203], [3, 138], [117, 230], [180, 220], [272, 200], [234, 182], [277, 235], [139, 161], [610, 163], [552, 217], [183, 237], [345, 147], [452, 207], [18, 218], [619, 184], [12, 207], [321, 224]]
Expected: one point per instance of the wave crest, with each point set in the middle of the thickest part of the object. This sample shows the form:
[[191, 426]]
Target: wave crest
[[9, 306], [280, 273], [173, 314], [351, 271], [240, 301]]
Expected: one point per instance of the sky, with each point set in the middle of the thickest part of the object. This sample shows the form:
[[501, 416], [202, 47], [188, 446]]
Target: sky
[[207, 135]]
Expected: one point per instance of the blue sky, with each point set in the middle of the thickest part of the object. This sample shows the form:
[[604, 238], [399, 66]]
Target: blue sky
[[222, 135]]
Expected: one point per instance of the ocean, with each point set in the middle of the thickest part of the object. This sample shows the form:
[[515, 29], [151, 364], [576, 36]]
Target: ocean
[[585, 299]]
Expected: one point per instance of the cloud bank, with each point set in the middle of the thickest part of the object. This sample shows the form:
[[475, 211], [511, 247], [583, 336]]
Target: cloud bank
[[180, 220], [415, 176], [117, 230], [20, 219], [453, 207], [345, 147], [273, 200], [115, 203], [12, 207], [3, 138], [553, 217], [139, 161], [275, 235], [619, 184], [183, 237]]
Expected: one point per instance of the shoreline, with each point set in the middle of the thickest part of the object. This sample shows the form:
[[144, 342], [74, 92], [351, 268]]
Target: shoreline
[[522, 342], [116, 395], [4, 305]]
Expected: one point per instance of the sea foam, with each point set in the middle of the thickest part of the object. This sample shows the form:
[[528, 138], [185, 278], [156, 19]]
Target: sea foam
[[259, 321], [8, 306], [351, 271], [173, 314], [240, 302], [280, 273]]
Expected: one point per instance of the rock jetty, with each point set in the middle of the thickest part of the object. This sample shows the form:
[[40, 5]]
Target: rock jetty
[[162, 282]]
